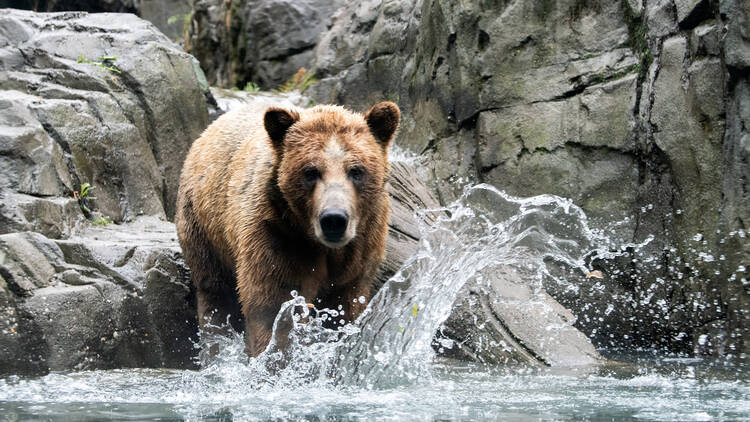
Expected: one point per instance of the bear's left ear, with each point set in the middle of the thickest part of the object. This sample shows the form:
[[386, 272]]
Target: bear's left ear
[[382, 120], [277, 122]]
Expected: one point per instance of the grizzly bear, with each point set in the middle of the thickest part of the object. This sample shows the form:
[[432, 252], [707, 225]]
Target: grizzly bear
[[279, 199]]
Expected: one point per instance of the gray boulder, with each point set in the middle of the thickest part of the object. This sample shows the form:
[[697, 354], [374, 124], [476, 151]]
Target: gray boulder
[[122, 124], [73, 295], [501, 319], [108, 297], [731, 333]]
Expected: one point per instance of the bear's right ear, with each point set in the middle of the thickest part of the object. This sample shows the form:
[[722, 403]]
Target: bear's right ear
[[277, 122]]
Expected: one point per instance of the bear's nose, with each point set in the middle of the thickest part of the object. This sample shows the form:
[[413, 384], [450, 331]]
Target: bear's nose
[[333, 222]]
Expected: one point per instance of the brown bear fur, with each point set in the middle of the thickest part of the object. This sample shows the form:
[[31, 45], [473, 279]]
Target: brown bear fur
[[246, 211]]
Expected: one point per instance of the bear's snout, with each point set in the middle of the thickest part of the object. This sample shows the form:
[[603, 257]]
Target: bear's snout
[[333, 223]]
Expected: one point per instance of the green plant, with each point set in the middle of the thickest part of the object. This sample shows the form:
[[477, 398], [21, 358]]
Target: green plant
[[105, 62], [251, 87], [300, 81], [85, 189], [101, 220], [83, 196], [184, 17]]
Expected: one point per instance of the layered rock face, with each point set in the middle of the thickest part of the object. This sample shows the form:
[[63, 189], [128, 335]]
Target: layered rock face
[[108, 297], [72, 295], [122, 124], [263, 41], [632, 109]]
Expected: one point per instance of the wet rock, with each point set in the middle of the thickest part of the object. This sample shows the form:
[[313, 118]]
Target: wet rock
[[736, 15], [693, 117], [499, 320], [24, 266], [735, 204], [68, 117], [265, 42], [108, 297], [504, 321], [661, 20], [704, 41]]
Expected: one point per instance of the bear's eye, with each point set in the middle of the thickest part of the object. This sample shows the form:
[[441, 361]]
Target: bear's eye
[[311, 175], [357, 174]]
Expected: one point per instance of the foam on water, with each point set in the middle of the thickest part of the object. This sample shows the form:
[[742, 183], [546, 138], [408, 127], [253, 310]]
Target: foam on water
[[384, 366], [455, 391]]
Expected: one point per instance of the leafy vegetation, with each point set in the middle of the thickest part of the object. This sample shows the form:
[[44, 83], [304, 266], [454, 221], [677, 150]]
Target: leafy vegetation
[[638, 35], [251, 87], [83, 195], [300, 81], [105, 62], [181, 17], [101, 220]]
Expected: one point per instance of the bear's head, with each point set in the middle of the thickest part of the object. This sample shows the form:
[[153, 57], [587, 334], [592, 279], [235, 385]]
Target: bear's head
[[332, 166]]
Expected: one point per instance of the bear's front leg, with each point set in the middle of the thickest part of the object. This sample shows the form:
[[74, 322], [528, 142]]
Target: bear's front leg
[[261, 295], [258, 329]]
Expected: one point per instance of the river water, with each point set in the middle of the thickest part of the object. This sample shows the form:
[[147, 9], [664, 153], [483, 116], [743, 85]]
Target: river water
[[645, 389], [384, 367]]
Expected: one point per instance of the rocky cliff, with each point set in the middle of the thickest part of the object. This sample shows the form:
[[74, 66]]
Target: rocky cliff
[[264, 42], [633, 109], [170, 16], [104, 100], [97, 112]]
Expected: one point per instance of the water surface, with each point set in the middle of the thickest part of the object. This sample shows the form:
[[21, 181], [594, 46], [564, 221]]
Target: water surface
[[644, 389]]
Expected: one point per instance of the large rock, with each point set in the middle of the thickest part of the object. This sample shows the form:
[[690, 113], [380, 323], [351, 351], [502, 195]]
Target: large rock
[[501, 319], [262, 41], [115, 6], [108, 297], [122, 125], [731, 334]]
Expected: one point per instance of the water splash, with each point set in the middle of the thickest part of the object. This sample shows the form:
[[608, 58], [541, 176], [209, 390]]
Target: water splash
[[483, 233]]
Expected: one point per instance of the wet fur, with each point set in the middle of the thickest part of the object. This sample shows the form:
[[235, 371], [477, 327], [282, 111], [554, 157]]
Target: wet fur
[[243, 216]]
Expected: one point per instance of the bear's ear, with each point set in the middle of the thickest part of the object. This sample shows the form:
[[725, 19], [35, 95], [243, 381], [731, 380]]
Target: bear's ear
[[382, 120], [277, 121]]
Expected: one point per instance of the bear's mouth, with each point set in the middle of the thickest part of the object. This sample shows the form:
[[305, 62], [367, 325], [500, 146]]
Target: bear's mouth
[[334, 243]]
